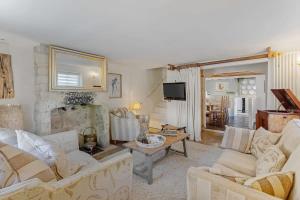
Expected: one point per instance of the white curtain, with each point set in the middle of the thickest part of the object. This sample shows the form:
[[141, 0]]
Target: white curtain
[[283, 72], [189, 112]]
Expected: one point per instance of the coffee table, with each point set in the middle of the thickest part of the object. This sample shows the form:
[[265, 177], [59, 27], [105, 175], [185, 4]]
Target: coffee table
[[146, 171]]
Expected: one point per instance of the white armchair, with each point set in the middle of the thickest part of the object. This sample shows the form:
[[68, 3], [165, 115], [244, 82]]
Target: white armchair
[[124, 125]]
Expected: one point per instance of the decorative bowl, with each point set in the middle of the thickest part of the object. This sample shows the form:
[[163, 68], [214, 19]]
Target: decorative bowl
[[154, 141]]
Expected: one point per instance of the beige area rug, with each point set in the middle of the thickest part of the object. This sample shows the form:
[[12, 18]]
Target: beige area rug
[[169, 174]]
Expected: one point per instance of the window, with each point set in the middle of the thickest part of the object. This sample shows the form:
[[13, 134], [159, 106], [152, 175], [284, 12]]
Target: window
[[68, 79]]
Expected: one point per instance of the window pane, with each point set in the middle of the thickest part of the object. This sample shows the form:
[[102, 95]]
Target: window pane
[[68, 79]]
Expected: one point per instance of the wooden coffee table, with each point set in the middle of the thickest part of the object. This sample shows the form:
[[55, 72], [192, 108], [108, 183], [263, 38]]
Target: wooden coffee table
[[146, 171]]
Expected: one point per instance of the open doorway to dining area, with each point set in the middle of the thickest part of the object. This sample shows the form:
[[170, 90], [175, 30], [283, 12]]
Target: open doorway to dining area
[[233, 97]]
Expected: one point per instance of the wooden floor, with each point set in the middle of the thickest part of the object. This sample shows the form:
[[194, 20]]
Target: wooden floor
[[211, 137], [240, 121]]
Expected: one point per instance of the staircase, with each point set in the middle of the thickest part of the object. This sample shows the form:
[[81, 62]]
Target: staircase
[[159, 115]]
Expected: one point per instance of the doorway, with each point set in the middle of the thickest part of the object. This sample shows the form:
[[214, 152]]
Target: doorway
[[233, 101]]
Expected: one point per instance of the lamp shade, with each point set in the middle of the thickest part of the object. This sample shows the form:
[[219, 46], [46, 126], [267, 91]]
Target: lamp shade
[[11, 116], [136, 106]]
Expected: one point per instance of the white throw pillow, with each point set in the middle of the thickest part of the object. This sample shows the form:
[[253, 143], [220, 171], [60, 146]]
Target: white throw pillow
[[262, 140], [49, 153], [68, 140], [238, 139], [272, 160], [8, 136]]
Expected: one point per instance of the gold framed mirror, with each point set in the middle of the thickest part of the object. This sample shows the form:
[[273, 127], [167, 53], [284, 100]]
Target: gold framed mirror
[[71, 70]]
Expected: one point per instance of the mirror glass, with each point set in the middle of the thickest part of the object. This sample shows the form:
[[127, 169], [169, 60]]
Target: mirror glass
[[73, 70]]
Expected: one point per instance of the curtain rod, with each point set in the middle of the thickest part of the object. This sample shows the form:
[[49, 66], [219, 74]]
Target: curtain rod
[[268, 54]]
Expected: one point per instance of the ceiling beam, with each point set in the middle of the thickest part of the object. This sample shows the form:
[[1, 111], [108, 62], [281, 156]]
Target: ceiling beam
[[268, 54]]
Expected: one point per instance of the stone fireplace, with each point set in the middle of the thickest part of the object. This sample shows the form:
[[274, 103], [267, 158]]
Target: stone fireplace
[[50, 107], [80, 118]]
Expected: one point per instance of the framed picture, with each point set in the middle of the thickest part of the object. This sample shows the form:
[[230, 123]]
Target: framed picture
[[114, 85], [221, 86]]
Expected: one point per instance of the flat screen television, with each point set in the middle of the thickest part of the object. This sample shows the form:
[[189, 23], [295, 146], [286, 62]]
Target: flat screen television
[[174, 91]]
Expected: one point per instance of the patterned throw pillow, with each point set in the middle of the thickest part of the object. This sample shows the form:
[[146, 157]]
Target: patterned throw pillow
[[262, 140], [278, 184], [272, 160], [21, 166], [238, 139], [120, 112], [49, 153], [7, 175]]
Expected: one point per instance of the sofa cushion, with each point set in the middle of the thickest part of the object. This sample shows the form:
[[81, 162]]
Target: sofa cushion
[[262, 140], [278, 184], [8, 136], [49, 153], [24, 165], [83, 159], [290, 137], [240, 162], [271, 161], [237, 138], [293, 164], [222, 170]]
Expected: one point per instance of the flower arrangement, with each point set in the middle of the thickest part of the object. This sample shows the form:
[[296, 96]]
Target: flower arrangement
[[79, 98]]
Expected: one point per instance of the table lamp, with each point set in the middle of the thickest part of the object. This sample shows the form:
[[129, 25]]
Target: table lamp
[[135, 107], [11, 116]]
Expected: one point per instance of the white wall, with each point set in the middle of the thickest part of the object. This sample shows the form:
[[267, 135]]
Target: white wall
[[172, 106], [257, 68], [210, 86], [21, 51], [137, 83]]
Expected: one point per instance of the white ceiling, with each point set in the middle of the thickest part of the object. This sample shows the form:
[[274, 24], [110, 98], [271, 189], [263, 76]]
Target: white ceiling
[[151, 33]]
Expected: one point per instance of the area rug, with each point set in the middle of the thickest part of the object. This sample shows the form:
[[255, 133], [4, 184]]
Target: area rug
[[169, 174]]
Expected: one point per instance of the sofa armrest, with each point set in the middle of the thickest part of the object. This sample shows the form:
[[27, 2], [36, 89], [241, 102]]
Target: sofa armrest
[[202, 185], [109, 180], [68, 140]]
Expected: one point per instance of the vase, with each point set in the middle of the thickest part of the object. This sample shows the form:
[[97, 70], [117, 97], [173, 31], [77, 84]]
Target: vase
[[144, 128]]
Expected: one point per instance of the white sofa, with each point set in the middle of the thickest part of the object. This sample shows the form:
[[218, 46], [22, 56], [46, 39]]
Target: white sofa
[[203, 185], [111, 179]]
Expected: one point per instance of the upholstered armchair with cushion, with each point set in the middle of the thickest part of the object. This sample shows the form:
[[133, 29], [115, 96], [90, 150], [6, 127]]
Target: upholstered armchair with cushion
[[268, 169], [124, 125]]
